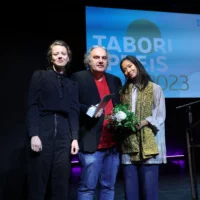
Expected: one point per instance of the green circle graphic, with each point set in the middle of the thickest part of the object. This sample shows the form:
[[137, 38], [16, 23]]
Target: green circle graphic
[[143, 28]]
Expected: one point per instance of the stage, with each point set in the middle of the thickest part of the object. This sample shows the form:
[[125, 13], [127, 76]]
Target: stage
[[174, 183]]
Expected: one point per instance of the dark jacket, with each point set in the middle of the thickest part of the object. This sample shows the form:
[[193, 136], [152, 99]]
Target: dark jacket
[[52, 105], [90, 128]]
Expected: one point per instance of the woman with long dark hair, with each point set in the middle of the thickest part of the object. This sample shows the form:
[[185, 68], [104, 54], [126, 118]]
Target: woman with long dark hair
[[145, 149]]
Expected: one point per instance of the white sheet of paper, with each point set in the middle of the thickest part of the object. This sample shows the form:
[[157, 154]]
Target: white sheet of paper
[[90, 112]]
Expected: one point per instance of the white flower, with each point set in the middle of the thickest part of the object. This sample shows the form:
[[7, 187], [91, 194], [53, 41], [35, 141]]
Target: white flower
[[120, 116]]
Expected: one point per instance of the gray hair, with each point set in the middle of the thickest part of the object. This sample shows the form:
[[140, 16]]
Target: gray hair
[[87, 55]]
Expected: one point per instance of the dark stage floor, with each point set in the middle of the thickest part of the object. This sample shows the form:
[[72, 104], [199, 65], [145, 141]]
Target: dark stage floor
[[174, 183]]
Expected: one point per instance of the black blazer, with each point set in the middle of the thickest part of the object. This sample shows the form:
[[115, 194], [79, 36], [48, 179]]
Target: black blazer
[[90, 128], [44, 101]]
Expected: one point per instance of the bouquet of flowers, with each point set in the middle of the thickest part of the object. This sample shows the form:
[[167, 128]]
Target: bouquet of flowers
[[122, 118]]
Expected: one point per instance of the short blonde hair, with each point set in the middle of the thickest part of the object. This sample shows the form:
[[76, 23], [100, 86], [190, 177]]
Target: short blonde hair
[[60, 43]]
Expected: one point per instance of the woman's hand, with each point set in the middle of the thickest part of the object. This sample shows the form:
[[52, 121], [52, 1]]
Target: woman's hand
[[36, 144], [74, 147], [142, 124]]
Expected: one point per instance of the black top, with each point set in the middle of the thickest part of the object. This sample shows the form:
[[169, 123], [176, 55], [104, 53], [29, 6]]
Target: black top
[[52, 93]]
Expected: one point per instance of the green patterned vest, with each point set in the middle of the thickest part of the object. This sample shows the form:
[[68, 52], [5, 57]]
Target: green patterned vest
[[141, 145]]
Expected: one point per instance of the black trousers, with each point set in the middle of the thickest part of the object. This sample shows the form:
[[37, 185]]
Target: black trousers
[[50, 166]]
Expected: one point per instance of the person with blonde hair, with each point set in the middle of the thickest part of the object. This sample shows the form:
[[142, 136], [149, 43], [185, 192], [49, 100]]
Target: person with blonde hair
[[53, 121]]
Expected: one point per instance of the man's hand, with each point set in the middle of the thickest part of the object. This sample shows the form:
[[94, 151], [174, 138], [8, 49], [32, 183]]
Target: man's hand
[[74, 147], [98, 114], [36, 144]]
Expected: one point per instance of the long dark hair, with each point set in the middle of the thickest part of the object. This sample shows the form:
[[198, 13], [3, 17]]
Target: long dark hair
[[142, 77]]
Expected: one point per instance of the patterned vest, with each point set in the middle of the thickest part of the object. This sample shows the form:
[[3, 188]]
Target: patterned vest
[[141, 145]]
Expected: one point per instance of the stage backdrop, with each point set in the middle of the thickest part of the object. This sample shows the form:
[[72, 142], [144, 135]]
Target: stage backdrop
[[167, 44]]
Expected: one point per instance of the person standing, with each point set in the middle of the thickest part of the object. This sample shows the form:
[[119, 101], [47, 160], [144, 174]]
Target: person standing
[[144, 150], [53, 121], [98, 155]]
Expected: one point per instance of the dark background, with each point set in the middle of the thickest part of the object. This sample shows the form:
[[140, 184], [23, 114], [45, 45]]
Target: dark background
[[26, 31]]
